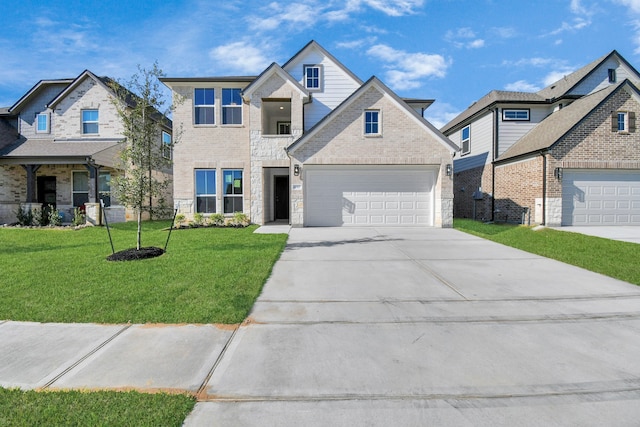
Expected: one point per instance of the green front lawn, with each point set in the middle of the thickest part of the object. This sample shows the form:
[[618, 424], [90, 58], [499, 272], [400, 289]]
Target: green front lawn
[[108, 408], [609, 257], [208, 275]]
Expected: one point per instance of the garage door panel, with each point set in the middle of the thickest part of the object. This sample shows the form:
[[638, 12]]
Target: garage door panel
[[369, 196], [601, 197]]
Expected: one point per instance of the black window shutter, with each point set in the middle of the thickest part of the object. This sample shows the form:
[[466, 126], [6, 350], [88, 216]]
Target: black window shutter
[[614, 122]]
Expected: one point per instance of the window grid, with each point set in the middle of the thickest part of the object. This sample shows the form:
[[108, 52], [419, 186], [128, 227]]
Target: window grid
[[205, 190], [312, 77], [232, 199], [204, 105], [90, 121], [465, 138], [372, 122], [515, 115], [231, 106]]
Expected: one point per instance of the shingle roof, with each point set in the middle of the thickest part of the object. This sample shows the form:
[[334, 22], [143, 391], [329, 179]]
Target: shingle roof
[[568, 82], [556, 125], [48, 149], [493, 97]]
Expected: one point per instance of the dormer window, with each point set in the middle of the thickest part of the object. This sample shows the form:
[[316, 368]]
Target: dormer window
[[90, 124], [313, 77], [612, 75], [42, 123]]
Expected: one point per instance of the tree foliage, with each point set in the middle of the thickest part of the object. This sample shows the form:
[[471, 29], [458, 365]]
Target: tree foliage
[[143, 155]]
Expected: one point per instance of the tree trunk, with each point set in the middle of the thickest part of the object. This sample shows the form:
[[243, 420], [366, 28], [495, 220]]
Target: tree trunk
[[139, 240]]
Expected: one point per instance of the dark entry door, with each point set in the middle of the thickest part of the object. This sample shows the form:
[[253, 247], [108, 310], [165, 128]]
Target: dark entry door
[[47, 190], [281, 197]]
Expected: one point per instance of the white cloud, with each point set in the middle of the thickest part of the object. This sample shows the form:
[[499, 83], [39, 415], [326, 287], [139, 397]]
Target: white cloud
[[462, 37], [504, 32], [521, 86], [407, 69], [240, 57], [530, 62], [556, 75], [634, 5]]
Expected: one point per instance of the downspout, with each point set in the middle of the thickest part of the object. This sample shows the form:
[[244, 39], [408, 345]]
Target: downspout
[[493, 160], [544, 188]]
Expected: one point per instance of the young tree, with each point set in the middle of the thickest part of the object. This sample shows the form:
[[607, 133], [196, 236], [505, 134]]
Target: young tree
[[144, 178]]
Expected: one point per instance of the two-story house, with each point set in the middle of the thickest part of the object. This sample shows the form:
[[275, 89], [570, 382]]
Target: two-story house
[[568, 154], [59, 146], [309, 143]]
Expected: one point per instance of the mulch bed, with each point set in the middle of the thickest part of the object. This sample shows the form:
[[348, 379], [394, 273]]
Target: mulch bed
[[135, 254]]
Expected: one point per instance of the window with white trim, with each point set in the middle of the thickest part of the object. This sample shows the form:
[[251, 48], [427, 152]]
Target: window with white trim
[[90, 122], [465, 139], [623, 121], [231, 106], [204, 106], [232, 191], [312, 76], [166, 145], [515, 115], [205, 190], [42, 123], [372, 122]]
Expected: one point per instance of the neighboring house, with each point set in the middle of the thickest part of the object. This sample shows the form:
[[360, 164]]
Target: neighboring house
[[566, 155], [59, 146], [310, 144]]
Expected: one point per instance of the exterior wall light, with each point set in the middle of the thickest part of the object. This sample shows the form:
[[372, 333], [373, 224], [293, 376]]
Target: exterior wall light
[[448, 170], [296, 170], [558, 173]]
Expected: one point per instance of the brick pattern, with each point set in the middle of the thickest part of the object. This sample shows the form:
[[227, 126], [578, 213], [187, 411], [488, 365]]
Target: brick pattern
[[403, 141], [466, 183], [517, 187]]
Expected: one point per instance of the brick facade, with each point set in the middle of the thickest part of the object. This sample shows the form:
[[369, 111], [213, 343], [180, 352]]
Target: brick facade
[[468, 185]]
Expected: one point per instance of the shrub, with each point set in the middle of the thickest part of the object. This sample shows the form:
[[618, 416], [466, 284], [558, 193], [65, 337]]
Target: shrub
[[40, 217], [239, 220], [217, 219], [55, 217], [198, 218], [180, 218], [79, 217], [24, 217]]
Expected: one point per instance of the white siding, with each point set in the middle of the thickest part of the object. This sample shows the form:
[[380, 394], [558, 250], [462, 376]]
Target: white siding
[[337, 85], [599, 79]]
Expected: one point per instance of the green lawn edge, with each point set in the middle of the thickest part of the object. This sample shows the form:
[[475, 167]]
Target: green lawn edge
[[608, 257]]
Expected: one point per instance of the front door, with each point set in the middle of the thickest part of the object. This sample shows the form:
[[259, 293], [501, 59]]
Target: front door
[[281, 195], [47, 190]]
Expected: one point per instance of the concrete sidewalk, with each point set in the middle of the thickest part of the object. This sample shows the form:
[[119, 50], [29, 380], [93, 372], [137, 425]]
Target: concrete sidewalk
[[363, 326], [623, 233]]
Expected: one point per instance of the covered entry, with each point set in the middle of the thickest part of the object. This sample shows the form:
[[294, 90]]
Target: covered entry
[[369, 195]]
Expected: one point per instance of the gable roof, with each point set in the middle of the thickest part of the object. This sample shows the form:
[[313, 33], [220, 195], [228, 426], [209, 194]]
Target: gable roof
[[42, 84], [76, 82], [566, 84], [315, 45], [547, 95], [372, 82], [550, 130], [273, 69], [490, 99]]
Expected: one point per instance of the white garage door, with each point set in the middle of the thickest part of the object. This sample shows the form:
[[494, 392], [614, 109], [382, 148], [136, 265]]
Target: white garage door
[[371, 195], [601, 197]]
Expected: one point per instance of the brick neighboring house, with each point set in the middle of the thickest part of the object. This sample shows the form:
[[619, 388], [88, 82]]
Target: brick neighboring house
[[566, 155], [310, 144], [59, 146]]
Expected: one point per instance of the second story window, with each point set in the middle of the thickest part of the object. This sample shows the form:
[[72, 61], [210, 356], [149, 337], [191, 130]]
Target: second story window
[[612, 75], [90, 122], [515, 115], [623, 121], [42, 123], [372, 122], [312, 76], [204, 103], [465, 139], [231, 107], [166, 145]]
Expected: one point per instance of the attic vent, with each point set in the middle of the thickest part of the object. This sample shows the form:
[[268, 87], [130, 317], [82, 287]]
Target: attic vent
[[553, 87]]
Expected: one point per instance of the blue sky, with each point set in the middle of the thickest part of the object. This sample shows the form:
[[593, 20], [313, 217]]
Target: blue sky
[[453, 51]]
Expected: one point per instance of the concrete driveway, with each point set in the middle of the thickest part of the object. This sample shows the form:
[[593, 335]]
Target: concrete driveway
[[624, 233], [427, 327]]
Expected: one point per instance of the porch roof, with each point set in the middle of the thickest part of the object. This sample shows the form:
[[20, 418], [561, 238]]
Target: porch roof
[[47, 151]]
